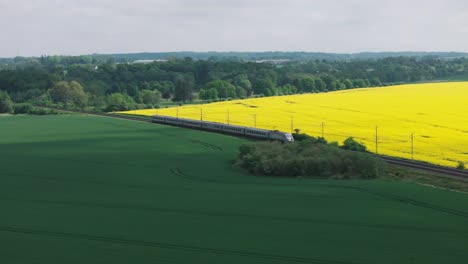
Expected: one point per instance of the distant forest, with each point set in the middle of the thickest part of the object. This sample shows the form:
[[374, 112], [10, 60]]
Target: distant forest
[[234, 56], [123, 81]]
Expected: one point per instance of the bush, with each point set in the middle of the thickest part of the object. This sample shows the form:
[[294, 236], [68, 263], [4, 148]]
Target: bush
[[461, 165], [308, 158], [119, 102], [301, 137], [25, 108], [298, 136], [42, 111], [353, 145]]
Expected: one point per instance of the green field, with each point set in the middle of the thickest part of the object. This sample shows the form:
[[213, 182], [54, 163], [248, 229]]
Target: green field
[[81, 189]]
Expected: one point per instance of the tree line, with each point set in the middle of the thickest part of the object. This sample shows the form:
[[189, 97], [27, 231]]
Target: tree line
[[104, 85]]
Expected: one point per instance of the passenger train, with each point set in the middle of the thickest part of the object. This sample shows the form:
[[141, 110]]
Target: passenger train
[[224, 128]]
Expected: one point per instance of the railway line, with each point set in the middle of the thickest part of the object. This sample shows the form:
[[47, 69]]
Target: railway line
[[446, 171], [412, 164]]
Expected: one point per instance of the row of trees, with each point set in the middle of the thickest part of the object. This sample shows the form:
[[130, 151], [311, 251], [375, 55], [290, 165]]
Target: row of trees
[[216, 56], [7, 106], [85, 81]]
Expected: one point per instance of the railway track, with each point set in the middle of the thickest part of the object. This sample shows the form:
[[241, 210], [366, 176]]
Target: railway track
[[446, 171], [126, 117]]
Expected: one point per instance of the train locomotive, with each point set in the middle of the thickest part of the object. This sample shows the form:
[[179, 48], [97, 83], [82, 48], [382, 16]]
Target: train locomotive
[[224, 128]]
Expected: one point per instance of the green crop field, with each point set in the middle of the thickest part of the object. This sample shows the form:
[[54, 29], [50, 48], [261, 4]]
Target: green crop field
[[81, 189]]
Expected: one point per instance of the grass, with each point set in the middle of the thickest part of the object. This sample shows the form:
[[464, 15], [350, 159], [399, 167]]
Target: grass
[[83, 189], [426, 178]]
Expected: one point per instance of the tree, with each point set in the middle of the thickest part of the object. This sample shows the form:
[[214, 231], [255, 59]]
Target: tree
[[288, 89], [297, 82], [208, 94], [150, 97], [213, 94], [183, 88], [165, 87], [60, 93], [224, 88], [359, 83], [308, 84], [69, 93], [77, 95], [270, 92], [340, 85], [6, 105], [241, 92], [262, 86], [119, 102], [202, 94], [330, 82], [348, 84], [375, 81], [268, 74], [320, 85], [243, 81]]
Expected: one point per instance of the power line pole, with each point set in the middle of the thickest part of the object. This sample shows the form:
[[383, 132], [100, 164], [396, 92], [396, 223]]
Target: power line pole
[[376, 140], [323, 129], [201, 114], [227, 117], [255, 120], [177, 110], [412, 146], [292, 124]]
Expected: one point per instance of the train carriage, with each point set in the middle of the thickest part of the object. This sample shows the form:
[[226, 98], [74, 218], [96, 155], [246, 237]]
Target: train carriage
[[224, 128]]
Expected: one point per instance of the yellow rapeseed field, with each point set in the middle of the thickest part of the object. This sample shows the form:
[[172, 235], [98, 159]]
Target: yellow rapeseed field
[[436, 114]]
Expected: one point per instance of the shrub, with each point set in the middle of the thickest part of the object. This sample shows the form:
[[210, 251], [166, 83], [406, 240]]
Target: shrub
[[119, 102], [25, 108], [461, 165], [301, 136], [307, 158], [351, 144], [42, 111], [298, 136]]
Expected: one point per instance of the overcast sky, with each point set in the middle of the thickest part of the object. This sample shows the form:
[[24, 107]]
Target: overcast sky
[[71, 27]]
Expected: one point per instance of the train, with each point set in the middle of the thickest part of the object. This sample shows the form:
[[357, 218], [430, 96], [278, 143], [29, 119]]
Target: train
[[256, 133]]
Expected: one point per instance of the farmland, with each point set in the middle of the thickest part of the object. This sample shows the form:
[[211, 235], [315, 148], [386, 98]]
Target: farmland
[[427, 122], [81, 189]]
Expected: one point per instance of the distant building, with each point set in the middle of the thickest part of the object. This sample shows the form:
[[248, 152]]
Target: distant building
[[147, 61], [279, 61]]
